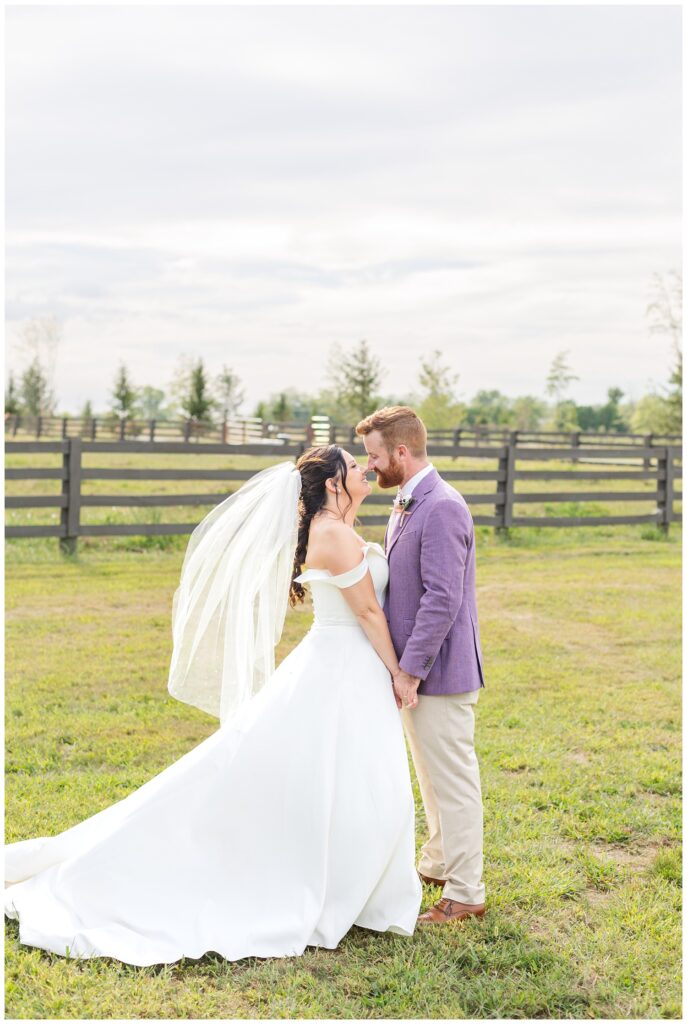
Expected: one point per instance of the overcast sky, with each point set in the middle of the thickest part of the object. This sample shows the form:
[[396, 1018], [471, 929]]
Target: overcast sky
[[253, 184]]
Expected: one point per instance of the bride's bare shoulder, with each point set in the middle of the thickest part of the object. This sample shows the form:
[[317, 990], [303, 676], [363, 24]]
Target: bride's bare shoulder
[[333, 545]]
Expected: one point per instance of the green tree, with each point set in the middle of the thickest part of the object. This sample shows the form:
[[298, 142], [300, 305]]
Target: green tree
[[664, 313], [151, 403], [86, 416], [489, 408], [438, 405], [37, 398], [39, 340], [355, 379], [331, 403], [610, 416], [11, 397], [197, 403], [651, 415], [559, 378], [606, 418], [123, 394], [281, 409], [289, 405], [190, 389], [565, 416], [564, 412], [674, 396], [527, 413], [230, 394]]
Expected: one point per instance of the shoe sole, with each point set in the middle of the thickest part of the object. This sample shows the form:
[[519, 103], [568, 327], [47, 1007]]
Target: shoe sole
[[453, 920]]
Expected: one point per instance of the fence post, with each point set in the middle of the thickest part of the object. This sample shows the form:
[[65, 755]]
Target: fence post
[[39, 424], [648, 443], [456, 440], [665, 488], [575, 443], [70, 516], [65, 421], [151, 433], [513, 437], [15, 428], [505, 488], [122, 428]]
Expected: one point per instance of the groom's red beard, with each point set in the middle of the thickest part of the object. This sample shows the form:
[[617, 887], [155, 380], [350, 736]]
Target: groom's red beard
[[392, 476]]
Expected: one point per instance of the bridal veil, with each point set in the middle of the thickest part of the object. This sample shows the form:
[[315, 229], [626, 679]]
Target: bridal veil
[[229, 609]]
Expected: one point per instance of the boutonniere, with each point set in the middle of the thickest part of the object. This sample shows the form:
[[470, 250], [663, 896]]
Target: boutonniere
[[402, 505]]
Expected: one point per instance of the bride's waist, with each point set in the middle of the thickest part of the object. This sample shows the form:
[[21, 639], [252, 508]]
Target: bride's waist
[[333, 621]]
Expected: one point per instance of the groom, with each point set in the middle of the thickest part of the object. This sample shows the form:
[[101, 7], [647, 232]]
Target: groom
[[432, 613]]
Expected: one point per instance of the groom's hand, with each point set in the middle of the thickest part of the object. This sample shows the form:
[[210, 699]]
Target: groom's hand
[[405, 689]]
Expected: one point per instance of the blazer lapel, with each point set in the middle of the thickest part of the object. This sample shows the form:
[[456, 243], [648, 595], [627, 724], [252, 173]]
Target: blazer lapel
[[419, 494]]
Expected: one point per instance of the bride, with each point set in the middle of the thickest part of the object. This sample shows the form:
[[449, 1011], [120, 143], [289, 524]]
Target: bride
[[295, 819]]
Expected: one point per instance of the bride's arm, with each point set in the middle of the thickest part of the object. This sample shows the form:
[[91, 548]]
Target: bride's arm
[[341, 557]]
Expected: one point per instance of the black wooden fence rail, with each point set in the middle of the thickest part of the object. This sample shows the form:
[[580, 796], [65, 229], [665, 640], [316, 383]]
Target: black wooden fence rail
[[318, 430], [665, 469]]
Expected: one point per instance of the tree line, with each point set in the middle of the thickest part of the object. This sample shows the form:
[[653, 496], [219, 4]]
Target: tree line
[[354, 387]]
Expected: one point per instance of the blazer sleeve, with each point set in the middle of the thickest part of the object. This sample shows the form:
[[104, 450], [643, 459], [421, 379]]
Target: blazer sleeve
[[446, 538]]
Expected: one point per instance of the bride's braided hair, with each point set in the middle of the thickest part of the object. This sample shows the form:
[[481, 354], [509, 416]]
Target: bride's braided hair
[[315, 466]]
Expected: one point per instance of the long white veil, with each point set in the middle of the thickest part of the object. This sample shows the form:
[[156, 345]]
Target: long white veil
[[229, 609]]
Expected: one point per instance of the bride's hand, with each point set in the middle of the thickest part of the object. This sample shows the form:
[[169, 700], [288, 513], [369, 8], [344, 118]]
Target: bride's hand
[[405, 689], [399, 703]]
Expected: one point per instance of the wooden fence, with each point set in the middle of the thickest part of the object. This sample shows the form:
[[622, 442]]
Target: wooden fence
[[318, 430], [664, 470]]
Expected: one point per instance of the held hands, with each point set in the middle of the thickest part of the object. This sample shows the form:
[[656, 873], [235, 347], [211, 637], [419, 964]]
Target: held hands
[[405, 689]]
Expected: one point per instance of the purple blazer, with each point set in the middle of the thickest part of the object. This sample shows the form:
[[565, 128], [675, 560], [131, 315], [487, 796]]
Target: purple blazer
[[430, 602]]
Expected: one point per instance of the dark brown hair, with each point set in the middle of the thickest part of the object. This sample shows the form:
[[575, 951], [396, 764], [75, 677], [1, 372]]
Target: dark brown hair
[[315, 465], [398, 424]]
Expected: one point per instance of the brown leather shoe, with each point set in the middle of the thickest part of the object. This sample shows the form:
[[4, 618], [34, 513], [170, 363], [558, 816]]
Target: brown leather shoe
[[441, 882], [450, 910]]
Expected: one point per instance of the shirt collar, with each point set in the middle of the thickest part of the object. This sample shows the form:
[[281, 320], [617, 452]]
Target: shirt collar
[[407, 489]]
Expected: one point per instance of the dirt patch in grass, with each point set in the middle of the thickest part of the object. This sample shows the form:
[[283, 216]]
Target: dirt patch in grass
[[578, 756], [636, 856], [597, 898]]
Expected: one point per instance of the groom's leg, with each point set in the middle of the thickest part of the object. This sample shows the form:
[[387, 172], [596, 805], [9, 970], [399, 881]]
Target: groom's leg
[[432, 853], [444, 730]]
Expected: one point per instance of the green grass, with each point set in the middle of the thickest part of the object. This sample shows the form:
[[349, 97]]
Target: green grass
[[578, 736]]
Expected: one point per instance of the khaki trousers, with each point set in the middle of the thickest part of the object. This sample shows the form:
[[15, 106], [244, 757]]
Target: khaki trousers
[[441, 732]]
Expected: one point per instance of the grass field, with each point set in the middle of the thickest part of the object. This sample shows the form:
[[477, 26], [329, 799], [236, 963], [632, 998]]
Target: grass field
[[578, 736]]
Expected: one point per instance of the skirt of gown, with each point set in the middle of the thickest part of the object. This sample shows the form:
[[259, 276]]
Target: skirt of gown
[[291, 823]]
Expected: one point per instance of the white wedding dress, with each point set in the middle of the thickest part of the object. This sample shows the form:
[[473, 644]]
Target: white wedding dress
[[288, 825]]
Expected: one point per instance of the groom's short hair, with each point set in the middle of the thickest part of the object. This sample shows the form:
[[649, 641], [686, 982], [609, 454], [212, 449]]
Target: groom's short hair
[[398, 424]]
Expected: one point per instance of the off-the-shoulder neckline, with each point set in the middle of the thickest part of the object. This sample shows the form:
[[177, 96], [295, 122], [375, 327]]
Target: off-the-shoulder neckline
[[367, 544]]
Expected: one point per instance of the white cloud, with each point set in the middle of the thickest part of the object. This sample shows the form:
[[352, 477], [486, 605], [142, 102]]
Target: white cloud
[[253, 184]]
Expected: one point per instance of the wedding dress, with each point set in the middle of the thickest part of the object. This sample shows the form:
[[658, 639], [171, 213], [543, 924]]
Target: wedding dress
[[288, 825]]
